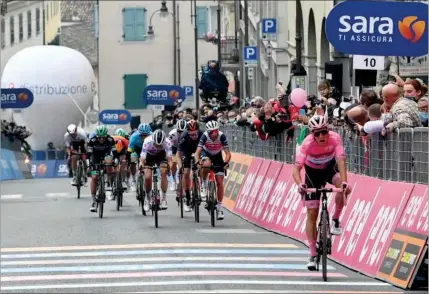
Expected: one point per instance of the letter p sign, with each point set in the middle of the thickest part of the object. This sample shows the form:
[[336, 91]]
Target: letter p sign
[[269, 28], [189, 90], [250, 54]]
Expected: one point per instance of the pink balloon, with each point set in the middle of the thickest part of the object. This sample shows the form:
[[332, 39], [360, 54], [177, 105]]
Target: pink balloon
[[298, 97]]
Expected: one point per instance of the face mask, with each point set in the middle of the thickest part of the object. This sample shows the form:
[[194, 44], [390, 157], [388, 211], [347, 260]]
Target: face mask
[[249, 119], [423, 116], [411, 98], [231, 120]]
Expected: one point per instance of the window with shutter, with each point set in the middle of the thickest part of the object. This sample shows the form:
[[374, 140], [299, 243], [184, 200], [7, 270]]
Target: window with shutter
[[202, 21], [128, 23], [140, 24], [134, 85], [134, 24]]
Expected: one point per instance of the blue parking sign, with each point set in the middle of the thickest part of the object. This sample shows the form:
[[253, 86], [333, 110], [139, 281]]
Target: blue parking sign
[[250, 56], [269, 29], [189, 91]]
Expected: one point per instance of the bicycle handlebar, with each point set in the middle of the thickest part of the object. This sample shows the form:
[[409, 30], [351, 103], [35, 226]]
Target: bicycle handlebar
[[327, 190]]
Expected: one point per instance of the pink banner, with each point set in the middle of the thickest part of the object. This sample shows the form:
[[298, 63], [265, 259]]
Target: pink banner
[[415, 216], [368, 222], [255, 206], [248, 181]]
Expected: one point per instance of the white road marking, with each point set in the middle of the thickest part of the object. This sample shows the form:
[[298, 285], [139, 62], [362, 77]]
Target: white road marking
[[194, 282], [230, 231], [11, 196], [65, 194], [152, 259]]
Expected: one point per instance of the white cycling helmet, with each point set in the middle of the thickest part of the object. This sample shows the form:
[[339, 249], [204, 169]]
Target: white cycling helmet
[[212, 125], [317, 122], [72, 129], [158, 137], [181, 125]]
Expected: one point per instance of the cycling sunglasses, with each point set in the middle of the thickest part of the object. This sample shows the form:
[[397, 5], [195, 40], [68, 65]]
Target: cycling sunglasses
[[322, 132]]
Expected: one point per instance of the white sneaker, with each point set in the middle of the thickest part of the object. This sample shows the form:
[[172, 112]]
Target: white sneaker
[[73, 182], [336, 228], [146, 205], [220, 215], [133, 186], [85, 182], [311, 265], [124, 185], [109, 195], [203, 193], [187, 208], [172, 186], [93, 207], [164, 204]]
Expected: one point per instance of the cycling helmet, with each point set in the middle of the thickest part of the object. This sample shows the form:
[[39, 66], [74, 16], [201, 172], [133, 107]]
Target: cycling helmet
[[212, 125], [120, 132], [101, 131], [158, 137], [317, 122], [181, 125], [192, 125], [144, 129], [72, 129]]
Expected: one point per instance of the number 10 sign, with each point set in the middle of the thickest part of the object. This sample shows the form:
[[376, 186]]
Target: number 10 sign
[[368, 62]]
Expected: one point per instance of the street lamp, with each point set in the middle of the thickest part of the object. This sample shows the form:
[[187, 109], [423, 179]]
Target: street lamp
[[163, 15]]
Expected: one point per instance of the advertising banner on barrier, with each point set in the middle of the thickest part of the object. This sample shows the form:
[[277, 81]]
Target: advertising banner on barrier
[[248, 180], [238, 168], [6, 169], [255, 207], [407, 244], [43, 169], [368, 222], [61, 169], [250, 190]]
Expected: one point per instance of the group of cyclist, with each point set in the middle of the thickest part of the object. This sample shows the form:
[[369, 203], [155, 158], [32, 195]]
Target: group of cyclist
[[321, 154], [143, 149]]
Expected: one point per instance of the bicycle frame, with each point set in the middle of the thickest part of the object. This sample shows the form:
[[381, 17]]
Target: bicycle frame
[[323, 234]]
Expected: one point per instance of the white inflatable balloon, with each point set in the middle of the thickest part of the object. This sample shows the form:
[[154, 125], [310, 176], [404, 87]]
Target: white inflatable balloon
[[59, 78]]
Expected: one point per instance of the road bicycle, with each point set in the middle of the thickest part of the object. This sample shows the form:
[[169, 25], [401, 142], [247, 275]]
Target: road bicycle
[[195, 192], [118, 189], [324, 240], [155, 203], [211, 204], [141, 194], [80, 173], [101, 189], [179, 190]]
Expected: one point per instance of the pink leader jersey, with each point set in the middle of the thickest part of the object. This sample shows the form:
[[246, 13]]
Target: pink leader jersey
[[318, 156]]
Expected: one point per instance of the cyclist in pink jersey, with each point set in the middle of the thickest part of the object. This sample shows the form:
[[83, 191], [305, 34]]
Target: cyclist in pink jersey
[[323, 158]]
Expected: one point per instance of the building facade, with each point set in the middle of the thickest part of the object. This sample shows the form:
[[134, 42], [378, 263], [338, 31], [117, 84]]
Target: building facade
[[130, 59], [275, 64], [52, 22], [21, 27]]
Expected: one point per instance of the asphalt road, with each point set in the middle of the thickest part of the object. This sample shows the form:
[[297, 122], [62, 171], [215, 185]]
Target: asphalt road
[[51, 242]]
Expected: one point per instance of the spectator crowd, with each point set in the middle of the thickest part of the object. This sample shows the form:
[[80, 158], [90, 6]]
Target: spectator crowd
[[399, 104], [13, 131]]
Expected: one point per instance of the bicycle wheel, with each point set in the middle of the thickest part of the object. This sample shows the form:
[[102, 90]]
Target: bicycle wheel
[[79, 178], [196, 201], [118, 191], [141, 193], [101, 198], [180, 190], [324, 242], [155, 206], [212, 203]]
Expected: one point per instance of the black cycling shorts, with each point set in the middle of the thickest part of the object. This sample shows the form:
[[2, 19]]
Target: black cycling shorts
[[317, 178], [97, 158], [186, 161], [75, 145], [217, 162], [174, 150], [152, 159]]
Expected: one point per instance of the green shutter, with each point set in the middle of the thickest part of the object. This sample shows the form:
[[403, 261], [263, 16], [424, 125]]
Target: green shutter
[[128, 24], [134, 85], [139, 24], [202, 21]]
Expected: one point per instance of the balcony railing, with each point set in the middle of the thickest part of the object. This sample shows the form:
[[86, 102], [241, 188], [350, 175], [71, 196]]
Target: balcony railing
[[229, 50]]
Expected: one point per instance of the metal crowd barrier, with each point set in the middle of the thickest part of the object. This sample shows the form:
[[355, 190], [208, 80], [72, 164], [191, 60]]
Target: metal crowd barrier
[[49, 154], [400, 156]]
